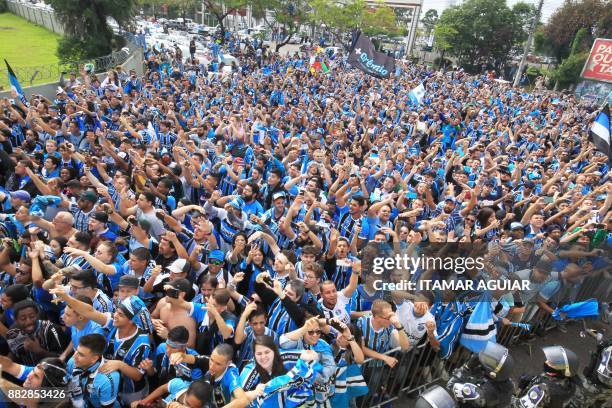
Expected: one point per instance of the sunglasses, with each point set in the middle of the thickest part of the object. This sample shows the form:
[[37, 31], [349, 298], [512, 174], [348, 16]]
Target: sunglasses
[[314, 332], [215, 262]]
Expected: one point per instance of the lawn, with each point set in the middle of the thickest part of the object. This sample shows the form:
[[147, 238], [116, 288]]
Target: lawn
[[27, 48]]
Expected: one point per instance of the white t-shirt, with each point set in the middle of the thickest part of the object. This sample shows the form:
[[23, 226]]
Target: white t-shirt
[[414, 326], [340, 311]]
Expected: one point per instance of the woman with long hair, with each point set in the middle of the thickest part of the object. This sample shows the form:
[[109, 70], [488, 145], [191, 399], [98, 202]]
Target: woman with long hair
[[276, 381]]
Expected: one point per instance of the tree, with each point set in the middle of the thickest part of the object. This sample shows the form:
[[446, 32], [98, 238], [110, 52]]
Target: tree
[[429, 20], [341, 19], [289, 14], [87, 34], [443, 39], [183, 6], [481, 33], [558, 35], [223, 8]]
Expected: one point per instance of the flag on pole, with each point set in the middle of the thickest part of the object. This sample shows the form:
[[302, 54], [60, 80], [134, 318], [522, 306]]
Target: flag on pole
[[416, 95], [15, 86], [480, 327], [600, 131]]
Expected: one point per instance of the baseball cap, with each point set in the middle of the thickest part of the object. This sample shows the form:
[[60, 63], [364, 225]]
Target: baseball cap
[[89, 196], [516, 226], [100, 216], [129, 281], [21, 195], [450, 198], [181, 284], [216, 254], [237, 203], [178, 266], [601, 197], [239, 161], [278, 194]]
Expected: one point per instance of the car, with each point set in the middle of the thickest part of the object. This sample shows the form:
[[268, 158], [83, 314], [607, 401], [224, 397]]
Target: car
[[331, 51]]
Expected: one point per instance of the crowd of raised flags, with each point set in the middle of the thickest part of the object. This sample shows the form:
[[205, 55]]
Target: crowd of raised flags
[[199, 234]]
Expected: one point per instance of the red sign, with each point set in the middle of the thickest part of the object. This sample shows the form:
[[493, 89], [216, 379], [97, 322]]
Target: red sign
[[599, 65]]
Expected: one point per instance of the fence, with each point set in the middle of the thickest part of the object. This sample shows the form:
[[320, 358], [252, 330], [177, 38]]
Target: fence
[[37, 15], [131, 56], [421, 367]]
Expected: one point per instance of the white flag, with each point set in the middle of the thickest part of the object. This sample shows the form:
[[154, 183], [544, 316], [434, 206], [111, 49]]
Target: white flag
[[417, 94]]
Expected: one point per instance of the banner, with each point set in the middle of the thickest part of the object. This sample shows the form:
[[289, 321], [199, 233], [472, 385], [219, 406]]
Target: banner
[[599, 132], [363, 56], [599, 65]]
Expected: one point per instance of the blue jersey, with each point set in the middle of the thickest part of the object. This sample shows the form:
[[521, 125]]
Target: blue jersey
[[224, 387], [90, 327], [347, 224], [97, 390], [361, 301], [209, 328], [279, 319], [183, 371], [102, 303], [379, 341], [131, 350]]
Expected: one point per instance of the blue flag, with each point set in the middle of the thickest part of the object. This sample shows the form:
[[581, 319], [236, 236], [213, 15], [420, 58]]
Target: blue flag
[[480, 327], [15, 83], [588, 308]]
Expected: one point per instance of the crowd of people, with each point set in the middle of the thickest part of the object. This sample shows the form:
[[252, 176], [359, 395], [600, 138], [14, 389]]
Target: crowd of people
[[198, 235]]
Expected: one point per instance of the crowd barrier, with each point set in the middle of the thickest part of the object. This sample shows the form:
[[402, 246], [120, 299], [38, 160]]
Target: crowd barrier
[[418, 368]]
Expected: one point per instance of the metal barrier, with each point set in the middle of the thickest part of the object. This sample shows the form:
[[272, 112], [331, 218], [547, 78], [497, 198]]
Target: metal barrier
[[27, 76], [418, 368]]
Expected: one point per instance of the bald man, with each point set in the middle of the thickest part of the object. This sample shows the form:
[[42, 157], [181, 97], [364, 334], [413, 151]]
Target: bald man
[[61, 226]]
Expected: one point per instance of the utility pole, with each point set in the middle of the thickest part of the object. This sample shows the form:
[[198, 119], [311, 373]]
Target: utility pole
[[536, 19]]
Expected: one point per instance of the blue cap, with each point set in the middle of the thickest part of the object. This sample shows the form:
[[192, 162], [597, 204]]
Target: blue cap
[[237, 203], [216, 254]]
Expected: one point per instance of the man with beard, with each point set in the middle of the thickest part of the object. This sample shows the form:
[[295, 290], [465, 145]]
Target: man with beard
[[31, 338]]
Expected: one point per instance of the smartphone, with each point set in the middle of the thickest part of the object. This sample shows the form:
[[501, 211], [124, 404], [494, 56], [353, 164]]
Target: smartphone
[[132, 220], [548, 200], [268, 280], [411, 195], [336, 325]]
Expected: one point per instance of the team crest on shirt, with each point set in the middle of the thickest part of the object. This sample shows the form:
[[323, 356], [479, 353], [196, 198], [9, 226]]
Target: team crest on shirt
[[421, 326]]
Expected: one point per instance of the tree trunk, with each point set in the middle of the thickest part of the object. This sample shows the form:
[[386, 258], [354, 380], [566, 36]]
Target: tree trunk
[[285, 41]]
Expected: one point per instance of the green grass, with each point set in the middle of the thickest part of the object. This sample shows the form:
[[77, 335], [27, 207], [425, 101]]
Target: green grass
[[25, 45]]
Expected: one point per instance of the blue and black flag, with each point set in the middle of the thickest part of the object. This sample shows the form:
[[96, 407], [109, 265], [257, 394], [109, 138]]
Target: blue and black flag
[[364, 56], [15, 83], [600, 132]]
